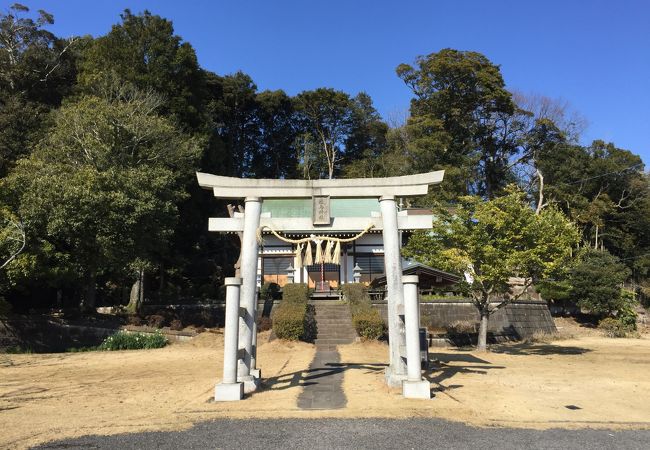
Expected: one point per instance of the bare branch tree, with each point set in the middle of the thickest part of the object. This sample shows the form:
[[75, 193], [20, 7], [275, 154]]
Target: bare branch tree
[[13, 237]]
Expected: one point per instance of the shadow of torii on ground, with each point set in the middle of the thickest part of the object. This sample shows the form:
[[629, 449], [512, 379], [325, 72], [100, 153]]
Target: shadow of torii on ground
[[310, 376]]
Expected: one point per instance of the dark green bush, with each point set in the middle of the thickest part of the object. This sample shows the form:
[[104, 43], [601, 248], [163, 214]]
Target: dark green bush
[[295, 293], [270, 291], [290, 317], [368, 324], [355, 293], [365, 318], [123, 340]]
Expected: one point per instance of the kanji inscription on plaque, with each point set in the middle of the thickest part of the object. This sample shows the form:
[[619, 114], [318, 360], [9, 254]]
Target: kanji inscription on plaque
[[321, 210]]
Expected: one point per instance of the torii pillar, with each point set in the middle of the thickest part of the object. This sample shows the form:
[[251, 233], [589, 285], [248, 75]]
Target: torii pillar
[[247, 373], [396, 372]]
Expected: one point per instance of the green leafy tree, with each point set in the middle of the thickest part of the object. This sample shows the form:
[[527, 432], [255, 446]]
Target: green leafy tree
[[325, 117], [493, 241], [462, 120], [596, 282], [276, 156], [101, 189], [390, 157], [37, 70], [367, 136], [143, 50], [12, 237], [604, 190]]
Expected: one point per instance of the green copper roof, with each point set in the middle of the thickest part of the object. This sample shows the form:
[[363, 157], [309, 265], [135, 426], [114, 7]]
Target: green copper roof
[[339, 207]]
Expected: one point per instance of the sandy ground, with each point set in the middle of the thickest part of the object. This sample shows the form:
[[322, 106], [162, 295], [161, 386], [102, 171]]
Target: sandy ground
[[56, 396]]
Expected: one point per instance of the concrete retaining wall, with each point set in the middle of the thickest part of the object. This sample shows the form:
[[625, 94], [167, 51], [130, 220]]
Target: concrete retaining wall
[[515, 321], [42, 335]]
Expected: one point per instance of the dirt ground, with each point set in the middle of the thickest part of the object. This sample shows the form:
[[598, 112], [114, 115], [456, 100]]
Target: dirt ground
[[588, 381]]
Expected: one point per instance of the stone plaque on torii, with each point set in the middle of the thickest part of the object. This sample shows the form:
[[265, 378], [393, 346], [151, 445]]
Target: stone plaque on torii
[[389, 222]]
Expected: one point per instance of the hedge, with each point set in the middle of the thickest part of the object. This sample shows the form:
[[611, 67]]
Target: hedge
[[365, 318], [292, 318]]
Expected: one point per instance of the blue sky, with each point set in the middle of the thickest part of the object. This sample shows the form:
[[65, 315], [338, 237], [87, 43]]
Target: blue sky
[[593, 54]]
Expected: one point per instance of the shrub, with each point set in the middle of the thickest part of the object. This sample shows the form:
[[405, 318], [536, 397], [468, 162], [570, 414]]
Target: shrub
[[270, 291], [289, 321], [295, 293], [133, 319], [366, 319], [156, 320], [176, 325], [626, 313], [206, 317], [463, 327], [123, 340], [596, 282], [290, 318], [264, 324], [368, 324], [614, 328]]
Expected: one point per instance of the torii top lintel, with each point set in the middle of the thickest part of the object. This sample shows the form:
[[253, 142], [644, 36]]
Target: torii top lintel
[[404, 186]]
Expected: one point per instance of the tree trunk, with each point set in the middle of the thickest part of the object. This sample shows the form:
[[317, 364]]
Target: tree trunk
[[137, 294], [161, 285], [90, 294], [540, 201], [482, 331]]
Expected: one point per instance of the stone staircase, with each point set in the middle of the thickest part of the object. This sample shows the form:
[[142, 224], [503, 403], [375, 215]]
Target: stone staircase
[[334, 324]]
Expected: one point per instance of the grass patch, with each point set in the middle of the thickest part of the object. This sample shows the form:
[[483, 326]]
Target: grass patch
[[18, 350], [123, 340]]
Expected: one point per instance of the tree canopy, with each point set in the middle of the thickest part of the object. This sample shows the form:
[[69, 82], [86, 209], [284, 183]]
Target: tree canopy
[[491, 242], [100, 138]]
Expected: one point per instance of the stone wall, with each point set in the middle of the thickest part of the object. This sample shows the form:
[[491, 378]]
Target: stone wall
[[40, 334], [515, 321]]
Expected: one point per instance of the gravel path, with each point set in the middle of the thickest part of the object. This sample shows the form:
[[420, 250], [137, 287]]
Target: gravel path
[[360, 434]]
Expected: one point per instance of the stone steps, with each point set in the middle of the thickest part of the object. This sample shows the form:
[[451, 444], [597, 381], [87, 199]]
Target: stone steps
[[334, 325], [333, 341]]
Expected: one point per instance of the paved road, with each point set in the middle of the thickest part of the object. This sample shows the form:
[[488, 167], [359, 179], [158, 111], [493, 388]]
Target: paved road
[[315, 434]]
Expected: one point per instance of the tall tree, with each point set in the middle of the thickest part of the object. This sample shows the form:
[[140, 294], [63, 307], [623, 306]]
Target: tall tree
[[144, 51], [100, 192], [368, 132], [326, 121], [233, 112], [276, 156], [462, 119], [36, 70]]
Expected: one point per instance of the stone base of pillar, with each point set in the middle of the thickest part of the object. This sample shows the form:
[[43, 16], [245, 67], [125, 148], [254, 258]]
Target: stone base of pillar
[[256, 373], [416, 389], [394, 380], [250, 383], [228, 392]]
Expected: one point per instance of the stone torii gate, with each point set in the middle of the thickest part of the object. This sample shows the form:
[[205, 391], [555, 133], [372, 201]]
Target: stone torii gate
[[240, 372]]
